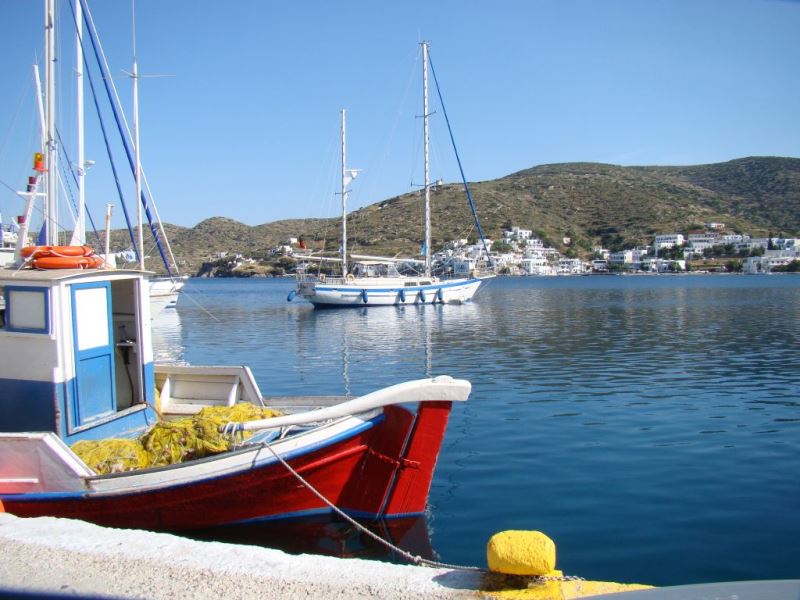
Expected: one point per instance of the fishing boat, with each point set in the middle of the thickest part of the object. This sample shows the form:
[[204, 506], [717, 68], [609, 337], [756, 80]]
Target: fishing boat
[[377, 281], [77, 365]]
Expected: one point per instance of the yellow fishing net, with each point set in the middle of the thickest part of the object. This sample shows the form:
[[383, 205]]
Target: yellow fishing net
[[169, 442], [112, 456]]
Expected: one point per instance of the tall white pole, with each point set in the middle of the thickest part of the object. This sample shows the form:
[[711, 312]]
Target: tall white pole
[[137, 155], [79, 233], [51, 205], [344, 198], [137, 158], [425, 146]]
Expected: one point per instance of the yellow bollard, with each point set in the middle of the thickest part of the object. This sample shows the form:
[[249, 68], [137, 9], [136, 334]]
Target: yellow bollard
[[516, 552], [523, 568]]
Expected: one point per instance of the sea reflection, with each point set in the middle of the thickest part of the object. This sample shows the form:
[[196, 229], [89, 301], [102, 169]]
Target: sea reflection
[[167, 337]]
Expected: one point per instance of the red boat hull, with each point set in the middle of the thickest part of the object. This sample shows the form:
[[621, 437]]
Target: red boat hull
[[383, 471]]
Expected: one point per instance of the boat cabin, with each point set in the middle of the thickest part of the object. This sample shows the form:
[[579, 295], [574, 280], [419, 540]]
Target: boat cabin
[[77, 353]]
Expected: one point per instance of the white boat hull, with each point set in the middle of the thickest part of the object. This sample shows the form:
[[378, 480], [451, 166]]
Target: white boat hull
[[366, 292], [164, 294]]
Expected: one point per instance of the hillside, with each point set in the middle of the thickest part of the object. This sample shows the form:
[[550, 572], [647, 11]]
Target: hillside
[[591, 203]]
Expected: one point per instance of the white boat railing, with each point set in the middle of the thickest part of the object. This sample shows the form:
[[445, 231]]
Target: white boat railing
[[436, 389], [321, 278]]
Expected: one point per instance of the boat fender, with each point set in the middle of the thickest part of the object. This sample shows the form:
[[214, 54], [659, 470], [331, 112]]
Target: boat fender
[[421, 296], [322, 278], [364, 296], [402, 295], [291, 295], [350, 278], [440, 295]]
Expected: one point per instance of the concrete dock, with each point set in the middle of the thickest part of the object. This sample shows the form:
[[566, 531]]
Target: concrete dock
[[47, 555]]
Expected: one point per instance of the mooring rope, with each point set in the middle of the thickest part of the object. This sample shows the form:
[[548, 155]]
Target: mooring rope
[[416, 559]]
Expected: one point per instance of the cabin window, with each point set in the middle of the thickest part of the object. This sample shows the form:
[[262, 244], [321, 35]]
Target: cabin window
[[27, 309]]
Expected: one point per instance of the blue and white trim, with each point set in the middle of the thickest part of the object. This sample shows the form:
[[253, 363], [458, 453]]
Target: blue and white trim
[[382, 292]]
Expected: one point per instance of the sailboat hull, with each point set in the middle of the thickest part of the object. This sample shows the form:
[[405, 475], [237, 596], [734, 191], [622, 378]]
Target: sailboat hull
[[378, 292]]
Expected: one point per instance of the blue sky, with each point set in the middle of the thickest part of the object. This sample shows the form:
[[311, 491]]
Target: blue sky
[[247, 124]]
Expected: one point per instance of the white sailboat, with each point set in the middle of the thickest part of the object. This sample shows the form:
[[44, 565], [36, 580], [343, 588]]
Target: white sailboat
[[376, 281]]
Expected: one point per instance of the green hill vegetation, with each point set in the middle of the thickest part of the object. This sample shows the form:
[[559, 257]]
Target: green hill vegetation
[[593, 204]]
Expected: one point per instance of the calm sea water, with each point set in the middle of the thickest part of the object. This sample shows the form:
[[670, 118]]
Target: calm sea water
[[650, 425]]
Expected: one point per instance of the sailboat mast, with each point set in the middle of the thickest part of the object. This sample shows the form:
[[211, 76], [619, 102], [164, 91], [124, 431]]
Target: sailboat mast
[[344, 198], [51, 204], [138, 167], [427, 170], [79, 233], [136, 154]]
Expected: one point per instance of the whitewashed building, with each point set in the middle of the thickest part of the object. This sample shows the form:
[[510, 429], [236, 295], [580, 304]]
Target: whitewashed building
[[536, 264], [628, 259], [770, 260], [572, 266], [733, 238], [621, 258], [652, 264], [668, 240], [700, 241], [521, 234]]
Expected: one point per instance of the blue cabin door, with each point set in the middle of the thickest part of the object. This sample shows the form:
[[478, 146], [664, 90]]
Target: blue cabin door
[[94, 389]]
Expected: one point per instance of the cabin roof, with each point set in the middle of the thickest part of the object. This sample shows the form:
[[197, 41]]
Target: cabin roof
[[34, 275]]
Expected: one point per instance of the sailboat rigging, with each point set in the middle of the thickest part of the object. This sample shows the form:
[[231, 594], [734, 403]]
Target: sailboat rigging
[[376, 281]]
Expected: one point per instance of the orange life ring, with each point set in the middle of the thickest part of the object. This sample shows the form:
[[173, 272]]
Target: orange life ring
[[68, 262], [62, 251]]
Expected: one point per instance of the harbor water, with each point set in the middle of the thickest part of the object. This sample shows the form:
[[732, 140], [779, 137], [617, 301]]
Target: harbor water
[[649, 424]]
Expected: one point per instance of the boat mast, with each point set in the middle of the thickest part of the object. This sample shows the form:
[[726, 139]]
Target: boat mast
[[79, 232], [137, 157], [427, 171], [344, 198], [51, 204]]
